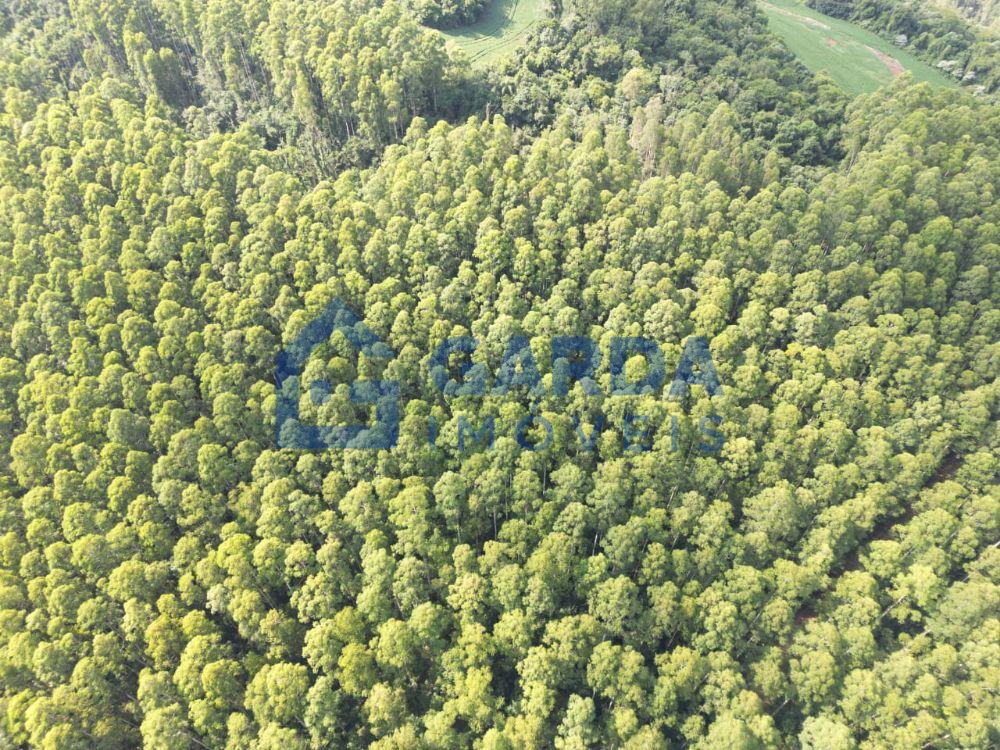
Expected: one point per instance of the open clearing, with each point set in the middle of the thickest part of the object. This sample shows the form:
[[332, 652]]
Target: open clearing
[[501, 29], [858, 60]]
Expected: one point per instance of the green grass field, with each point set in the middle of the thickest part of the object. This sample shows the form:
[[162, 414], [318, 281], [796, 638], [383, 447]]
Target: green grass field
[[858, 60], [500, 30]]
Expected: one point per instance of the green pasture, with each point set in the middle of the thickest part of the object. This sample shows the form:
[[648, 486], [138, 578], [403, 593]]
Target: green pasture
[[858, 60], [498, 32]]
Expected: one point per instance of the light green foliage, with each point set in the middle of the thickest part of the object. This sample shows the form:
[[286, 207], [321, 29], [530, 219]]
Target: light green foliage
[[170, 578], [448, 13]]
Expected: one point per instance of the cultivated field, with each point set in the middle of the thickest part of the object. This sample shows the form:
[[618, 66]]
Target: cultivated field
[[501, 29], [858, 60]]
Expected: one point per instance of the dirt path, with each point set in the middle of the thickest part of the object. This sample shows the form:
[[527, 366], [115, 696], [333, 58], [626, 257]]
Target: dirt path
[[894, 66]]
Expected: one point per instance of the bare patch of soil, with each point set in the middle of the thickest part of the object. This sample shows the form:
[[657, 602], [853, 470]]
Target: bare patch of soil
[[894, 66]]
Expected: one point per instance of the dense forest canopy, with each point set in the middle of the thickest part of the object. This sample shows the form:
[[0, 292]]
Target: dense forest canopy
[[445, 14], [185, 185]]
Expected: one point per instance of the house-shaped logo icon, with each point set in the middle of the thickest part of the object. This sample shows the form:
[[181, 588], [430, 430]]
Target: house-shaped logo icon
[[291, 432]]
